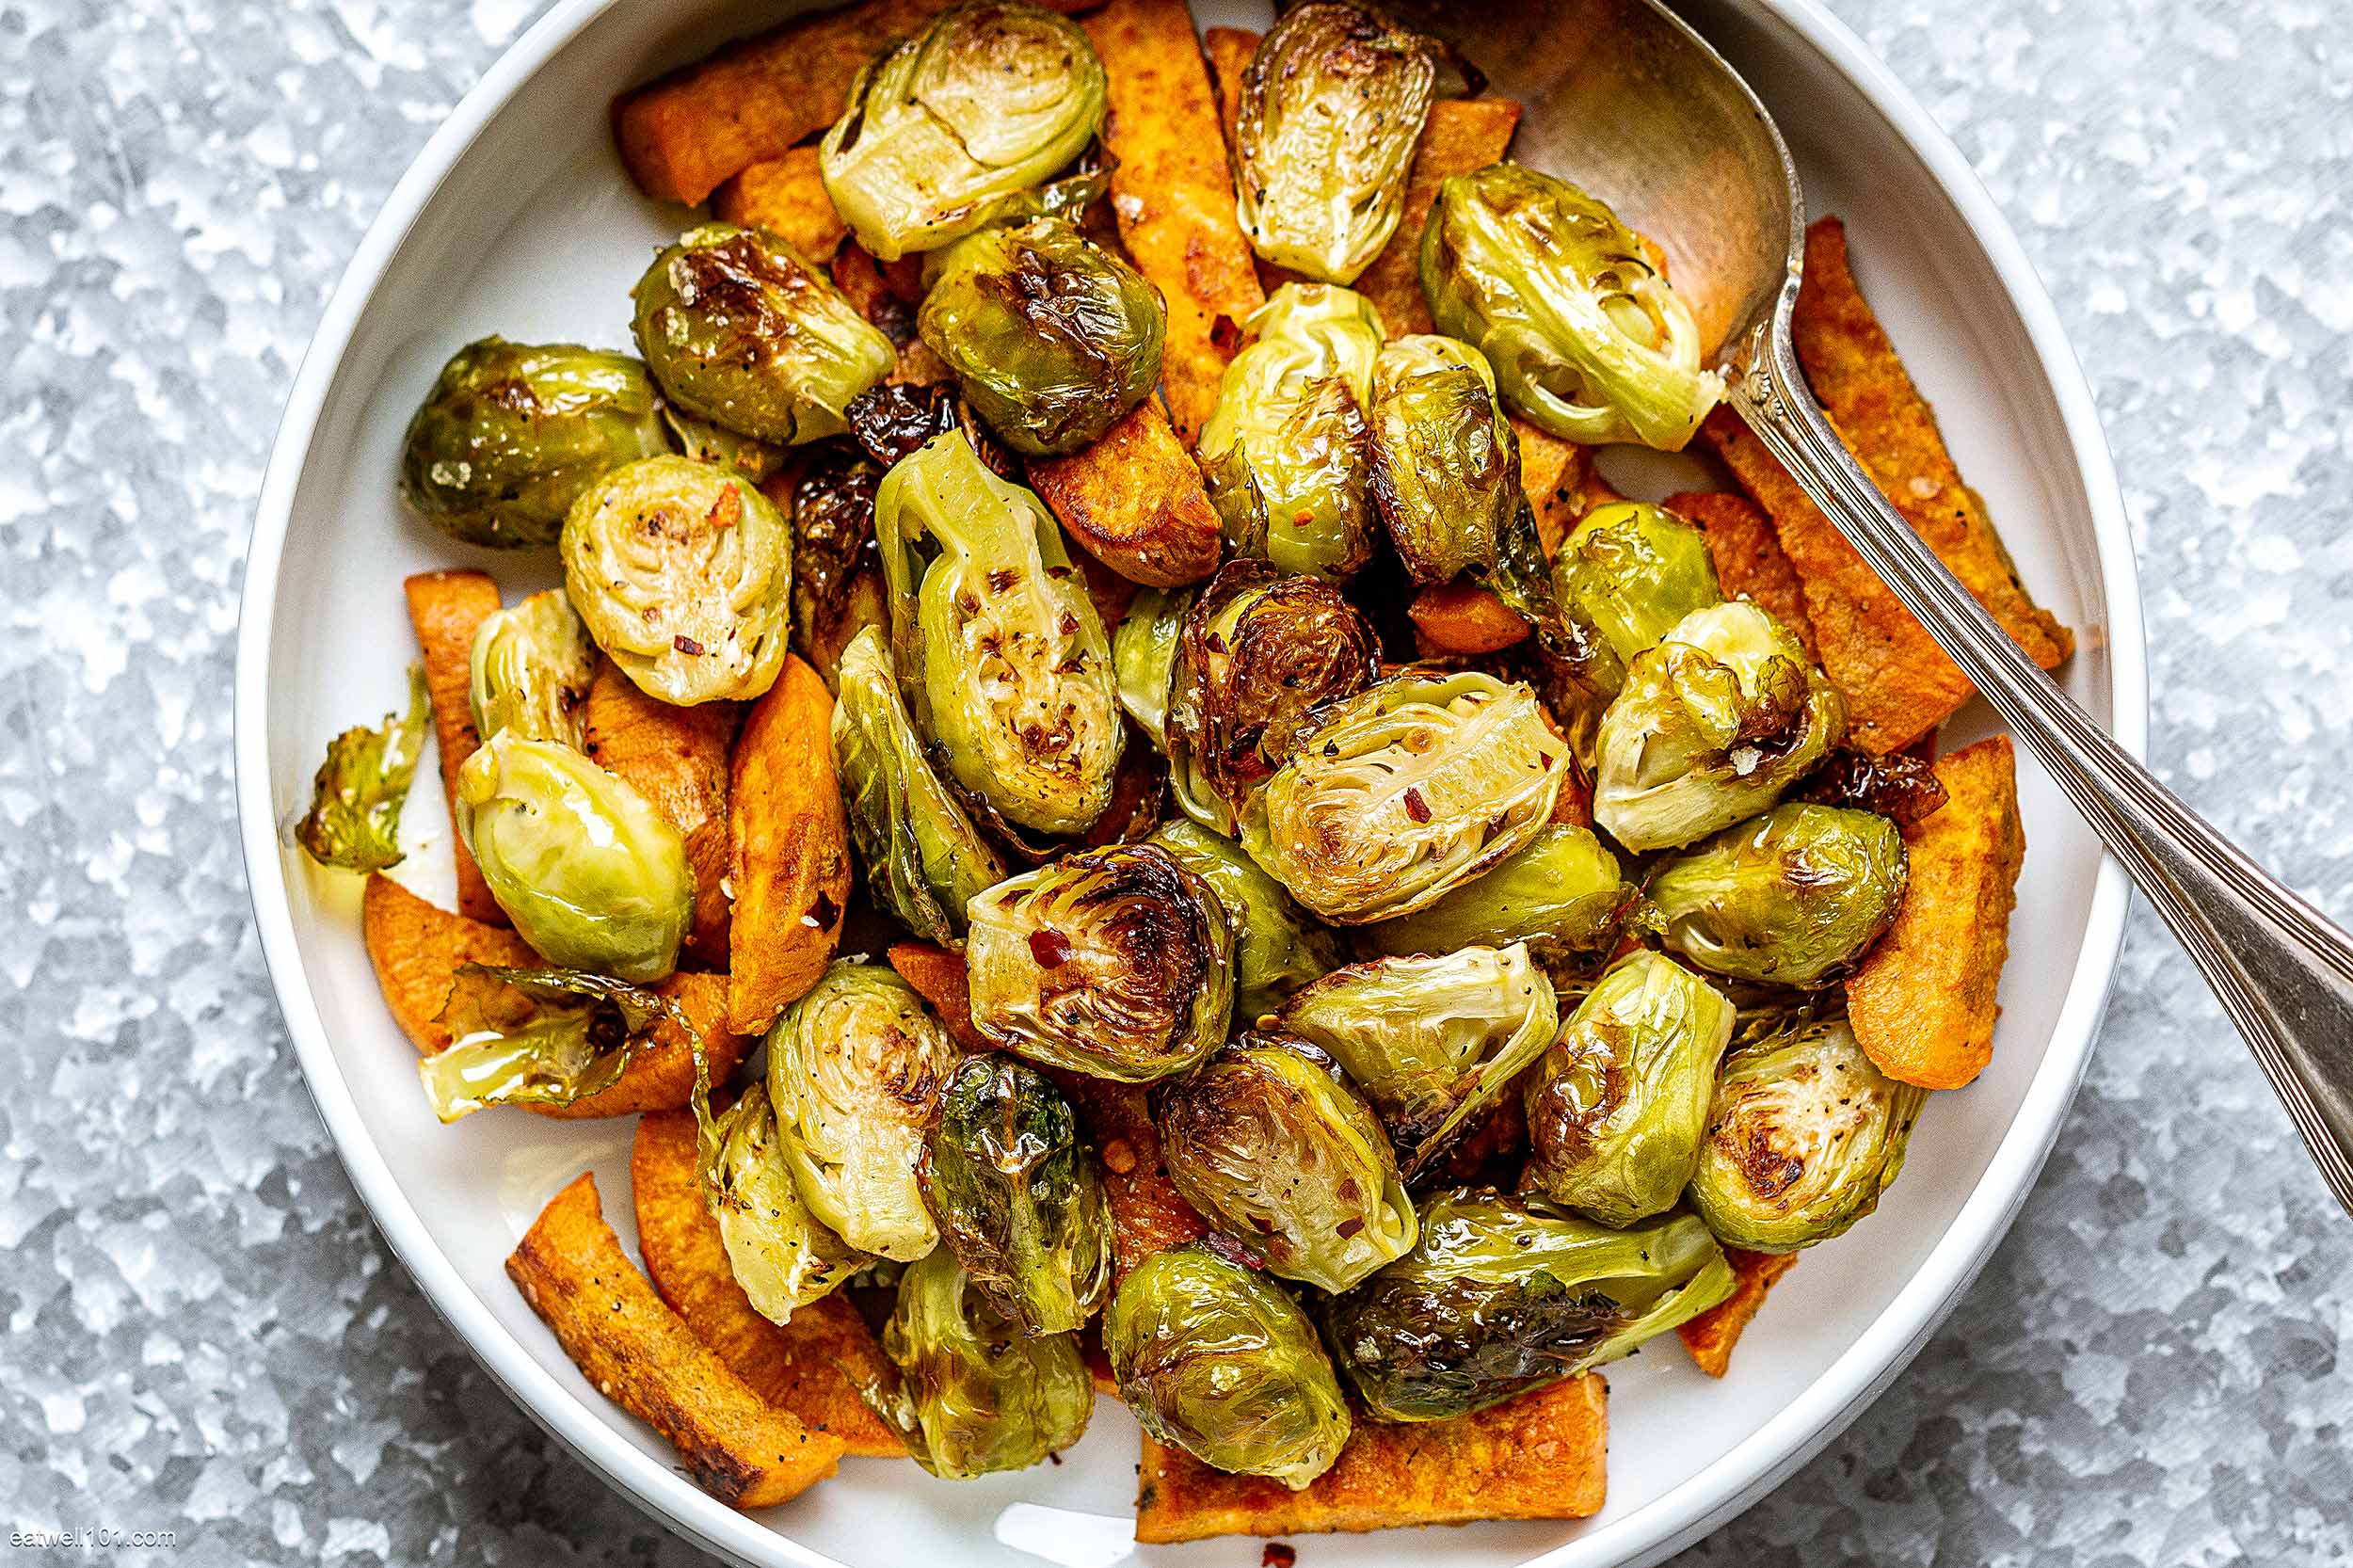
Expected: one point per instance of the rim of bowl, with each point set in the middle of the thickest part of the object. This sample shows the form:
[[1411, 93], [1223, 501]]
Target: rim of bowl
[[1669, 1522]]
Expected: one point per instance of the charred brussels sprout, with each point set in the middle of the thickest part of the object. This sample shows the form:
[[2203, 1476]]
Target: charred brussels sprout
[[959, 126], [591, 874], [1794, 897], [546, 1037], [975, 1394], [744, 330], [1713, 724], [1563, 894], [1406, 791], [530, 670], [707, 441], [1265, 1140], [1220, 1361], [512, 433], [1433, 1042], [1446, 466], [1018, 1197], [1503, 1295], [781, 1255], [1143, 656], [997, 644], [1586, 337], [1286, 451], [1052, 338], [1113, 962], [1259, 655], [1618, 1104], [854, 1070], [1332, 106], [1629, 573], [1803, 1136], [1277, 949], [684, 577], [924, 859], [837, 571], [357, 795]]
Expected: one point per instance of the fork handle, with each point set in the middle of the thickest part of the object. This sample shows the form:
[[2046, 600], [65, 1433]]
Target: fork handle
[[2283, 973]]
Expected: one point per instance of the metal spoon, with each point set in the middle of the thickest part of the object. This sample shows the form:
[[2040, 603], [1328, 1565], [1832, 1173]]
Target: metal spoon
[[1628, 99]]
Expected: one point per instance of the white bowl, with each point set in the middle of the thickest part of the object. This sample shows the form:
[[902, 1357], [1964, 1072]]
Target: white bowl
[[517, 219]]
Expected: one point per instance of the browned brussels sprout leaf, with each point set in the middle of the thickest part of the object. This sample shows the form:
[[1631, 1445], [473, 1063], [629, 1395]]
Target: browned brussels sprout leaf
[[1900, 786], [354, 820], [537, 1037]]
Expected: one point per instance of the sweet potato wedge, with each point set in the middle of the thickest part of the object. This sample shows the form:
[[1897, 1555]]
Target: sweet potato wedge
[[447, 608], [1148, 1214], [937, 976], [1749, 561], [788, 856], [1540, 1456], [1134, 500], [803, 1367], [676, 758], [1461, 619], [786, 197], [1462, 135], [636, 1351], [1711, 1335], [1559, 480], [1922, 1003]]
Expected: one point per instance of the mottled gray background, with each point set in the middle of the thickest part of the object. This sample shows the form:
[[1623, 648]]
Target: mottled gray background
[[203, 1333]]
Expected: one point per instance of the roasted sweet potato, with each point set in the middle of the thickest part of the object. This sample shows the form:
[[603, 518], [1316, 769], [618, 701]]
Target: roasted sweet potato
[[1148, 1214], [786, 197], [1749, 561], [1922, 1003], [862, 283], [1540, 1456], [937, 976], [1134, 500], [803, 1367], [447, 608], [1560, 481], [636, 1351], [1461, 619], [676, 758], [789, 855], [1711, 1335]]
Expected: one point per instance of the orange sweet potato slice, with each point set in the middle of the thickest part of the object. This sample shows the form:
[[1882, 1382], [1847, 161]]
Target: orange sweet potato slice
[[1461, 620], [937, 976], [1711, 1335], [1148, 1214], [1134, 500], [676, 758], [786, 197], [789, 852], [447, 608], [1749, 561]]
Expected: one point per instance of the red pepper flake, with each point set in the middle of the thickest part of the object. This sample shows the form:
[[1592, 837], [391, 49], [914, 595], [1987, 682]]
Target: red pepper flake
[[1277, 1556], [1003, 579], [1415, 807], [727, 510], [685, 644], [1349, 1226], [1051, 948], [1224, 335], [1069, 624], [1302, 518]]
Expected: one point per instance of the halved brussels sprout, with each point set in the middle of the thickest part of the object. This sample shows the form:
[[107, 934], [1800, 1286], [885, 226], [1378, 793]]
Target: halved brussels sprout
[[1433, 1042], [997, 644], [1259, 654], [1563, 894], [1221, 1362], [1332, 107], [855, 1069], [1714, 723], [537, 1037], [684, 577], [955, 128], [1629, 573], [591, 874], [781, 1255], [1446, 466], [357, 795], [1803, 1136], [837, 571], [1405, 792], [1113, 962], [529, 671], [1618, 1104], [1795, 897], [1586, 337], [1507, 1294], [1286, 451], [975, 1394], [1018, 1197], [1267, 1142], [745, 331], [1277, 949], [708, 441], [1143, 656], [1052, 338], [511, 434]]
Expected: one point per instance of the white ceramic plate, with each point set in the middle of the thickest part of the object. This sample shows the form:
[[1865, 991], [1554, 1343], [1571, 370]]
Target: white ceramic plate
[[518, 219]]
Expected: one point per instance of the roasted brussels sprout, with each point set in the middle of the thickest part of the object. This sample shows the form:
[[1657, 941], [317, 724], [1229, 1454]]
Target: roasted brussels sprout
[[780, 1253], [997, 644], [924, 859], [1803, 1136], [1113, 962], [1052, 338], [1433, 1042], [1713, 724], [956, 128], [1143, 656], [1795, 897], [745, 331], [837, 571], [1332, 106], [1259, 655], [537, 1037], [511, 434], [1221, 1362], [530, 670], [1018, 1197], [707, 441], [591, 874], [357, 795], [1446, 466], [1277, 949], [1585, 338], [895, 421], [1406, 792], [975, 1394], [1561, 894], [1618, 1103], [1505, 1294], [1629, 573], [855, 1069], [684, 577], [1286, 451]]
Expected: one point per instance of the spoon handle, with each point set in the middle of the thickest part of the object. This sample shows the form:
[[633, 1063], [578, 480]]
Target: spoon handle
[[2282, 972]]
